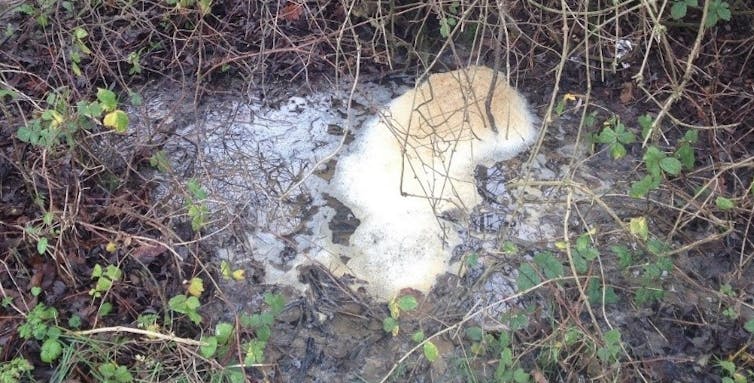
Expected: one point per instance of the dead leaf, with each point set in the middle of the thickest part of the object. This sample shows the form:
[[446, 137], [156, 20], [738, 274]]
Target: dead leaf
[[627, 94], [291, 12]]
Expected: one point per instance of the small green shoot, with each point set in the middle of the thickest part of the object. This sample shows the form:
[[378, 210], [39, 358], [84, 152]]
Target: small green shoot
[[616, 136], [113, 373], [39, 325], [187, 306], [609, 352], [105, 279], [680, 7], [397, 305]]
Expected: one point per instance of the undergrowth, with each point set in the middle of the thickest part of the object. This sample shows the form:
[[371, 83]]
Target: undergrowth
[[102, 279]]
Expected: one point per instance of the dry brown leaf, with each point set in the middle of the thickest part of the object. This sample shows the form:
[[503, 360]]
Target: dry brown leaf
[[291, 12]]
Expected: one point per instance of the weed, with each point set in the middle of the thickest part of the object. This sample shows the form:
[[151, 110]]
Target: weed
[[616, 136], [732, 374], [112, 373], [13, 370], [608, 353], [105, 279], [40, 325], [187, 306], [61, 120], [397, 305], [197, 209], [262, 325]]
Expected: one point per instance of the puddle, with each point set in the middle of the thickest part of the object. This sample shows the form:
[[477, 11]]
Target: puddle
[[267, 168]]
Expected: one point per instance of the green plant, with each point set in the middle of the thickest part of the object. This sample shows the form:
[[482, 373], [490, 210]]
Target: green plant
[[134, 59], [616, 136], [608, 353], [680, 7], [718, 10], [78, 49], [39, 325], [159, 160], [731, 373], [449, 19], [262, 325], [105, 278], [197, 209], [187, 306], [59, 119], [41, 13], [113, 373], [529, 273], [651, 278], [508, 369], [222, 337], [397, 305], [13, 370]]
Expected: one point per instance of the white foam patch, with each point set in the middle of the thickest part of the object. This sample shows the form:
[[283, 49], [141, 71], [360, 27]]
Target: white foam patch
[[400, 242]]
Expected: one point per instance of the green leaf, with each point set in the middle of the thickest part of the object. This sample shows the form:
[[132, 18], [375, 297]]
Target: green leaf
[[624, 255], [723, 10], [724, 203], [728, 366], [80, 33], [107, 99], [607, 136], [195, 189], [417, 336], [624, 135], [551, 266], [51, 350], [617, 151], [135, 98], [444, 27], [27, 135], [671, 165], [685, 154], [105, 309], [42, 245], [389, 324], [645, 122], [691, 136], [475, 333], [652, 158], [509, 247], [407, 303], [431, 352], [255, 352], [263, 332], [159, 160], [639, 189], [520, 376], [527, 277], [209, 348], [117, 120], [579, 263], [36, 290], [678, 10], [276, 302], [639, 227], [749, 326], [594, 293], [223, 332], [560, 107], [517, 321]]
